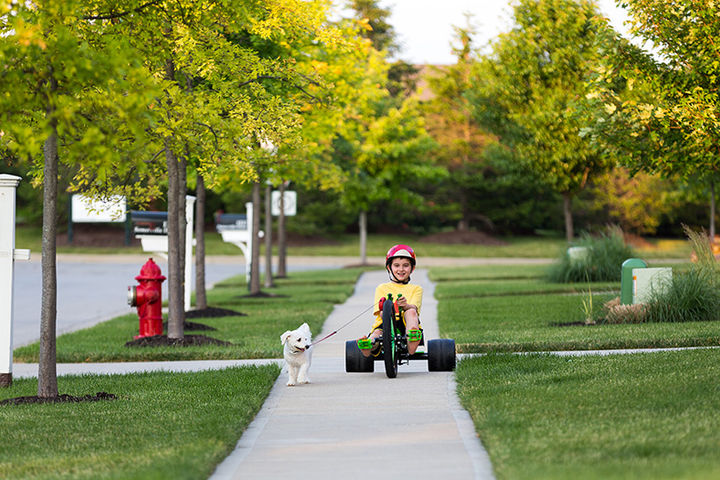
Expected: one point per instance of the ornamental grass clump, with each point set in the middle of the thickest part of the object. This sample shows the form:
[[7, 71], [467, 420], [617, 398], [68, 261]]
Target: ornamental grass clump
[[601, 262]]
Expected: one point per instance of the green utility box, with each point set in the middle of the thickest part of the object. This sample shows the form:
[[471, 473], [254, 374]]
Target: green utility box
[[626, 279]]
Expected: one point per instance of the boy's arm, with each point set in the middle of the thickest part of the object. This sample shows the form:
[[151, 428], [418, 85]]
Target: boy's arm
[[416, 298]]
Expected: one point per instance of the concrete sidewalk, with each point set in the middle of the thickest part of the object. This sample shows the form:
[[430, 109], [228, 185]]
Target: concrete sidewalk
[[361, 425]]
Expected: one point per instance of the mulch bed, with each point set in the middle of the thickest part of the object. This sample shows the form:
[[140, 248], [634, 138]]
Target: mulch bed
[[186, 341], [261, 295], [213, 312], [63, 398], [193, 327]]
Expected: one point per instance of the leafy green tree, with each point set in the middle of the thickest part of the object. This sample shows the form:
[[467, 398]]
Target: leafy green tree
[[658, 110], [528, 90], [70, 100], [450, 121], [637, 203]]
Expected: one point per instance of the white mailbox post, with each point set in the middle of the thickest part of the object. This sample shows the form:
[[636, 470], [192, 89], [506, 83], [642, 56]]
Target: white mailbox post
[[155, 239], [8, 255], [237, 229]]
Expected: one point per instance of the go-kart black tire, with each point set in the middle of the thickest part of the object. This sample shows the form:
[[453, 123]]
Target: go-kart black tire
[[355, 361], [391, 357], [441, 355]]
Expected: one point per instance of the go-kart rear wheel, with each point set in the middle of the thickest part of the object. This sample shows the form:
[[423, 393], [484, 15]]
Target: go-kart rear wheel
[[441, 355], [355, 361], [390, 356]]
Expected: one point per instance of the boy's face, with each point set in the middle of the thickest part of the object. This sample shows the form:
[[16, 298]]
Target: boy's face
[[401, 268]]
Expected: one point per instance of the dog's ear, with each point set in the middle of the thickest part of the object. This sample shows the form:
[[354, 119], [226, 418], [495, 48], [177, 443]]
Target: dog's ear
[[305, 327], [285, 336]]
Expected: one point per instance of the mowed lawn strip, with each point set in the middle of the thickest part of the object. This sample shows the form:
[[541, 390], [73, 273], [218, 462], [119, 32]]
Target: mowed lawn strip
[[641, 416], [162, 425], [502, 308], [303, 297]]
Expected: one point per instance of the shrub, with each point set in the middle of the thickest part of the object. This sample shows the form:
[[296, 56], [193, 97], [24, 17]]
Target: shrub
[[605, 254]]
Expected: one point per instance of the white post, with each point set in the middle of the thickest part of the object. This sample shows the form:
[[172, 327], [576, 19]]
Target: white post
[[189, 243], [248, 255], [8, 255]]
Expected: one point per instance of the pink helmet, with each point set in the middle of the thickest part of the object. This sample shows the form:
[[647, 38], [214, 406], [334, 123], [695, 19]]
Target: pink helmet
[[400, 251]]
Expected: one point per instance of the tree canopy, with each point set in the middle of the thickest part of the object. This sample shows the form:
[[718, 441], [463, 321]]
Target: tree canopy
[[528, 90]]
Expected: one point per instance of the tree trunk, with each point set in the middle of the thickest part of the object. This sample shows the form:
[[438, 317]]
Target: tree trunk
[[282, 257], [567, 211], [47, 368], [182, 226], [255, 251], [200, 292], [176, 252], [268, 237], [363, 238], [176, 308], [712, 211]]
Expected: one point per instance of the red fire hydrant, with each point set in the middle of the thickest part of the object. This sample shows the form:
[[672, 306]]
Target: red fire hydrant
[[147, 297]]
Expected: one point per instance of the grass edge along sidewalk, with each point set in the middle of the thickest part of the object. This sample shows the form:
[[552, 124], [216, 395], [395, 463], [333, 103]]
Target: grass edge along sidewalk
[[640, 416]]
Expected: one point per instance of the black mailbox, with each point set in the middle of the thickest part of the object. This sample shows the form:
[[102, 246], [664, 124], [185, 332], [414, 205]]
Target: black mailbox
[[231, 221], [149, 223]]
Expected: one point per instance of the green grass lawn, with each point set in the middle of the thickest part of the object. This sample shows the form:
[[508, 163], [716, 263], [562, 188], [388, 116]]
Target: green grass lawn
[[161, 426], [513, 308], [643, 416], [303, 297]]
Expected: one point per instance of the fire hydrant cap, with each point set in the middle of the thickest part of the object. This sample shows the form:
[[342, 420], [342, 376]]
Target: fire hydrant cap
[[150, 271]]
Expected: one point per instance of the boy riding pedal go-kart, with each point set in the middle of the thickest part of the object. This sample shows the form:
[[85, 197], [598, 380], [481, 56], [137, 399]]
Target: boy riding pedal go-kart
[[396, 332]]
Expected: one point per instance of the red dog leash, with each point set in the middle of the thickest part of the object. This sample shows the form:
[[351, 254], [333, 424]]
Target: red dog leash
[[343, 326]]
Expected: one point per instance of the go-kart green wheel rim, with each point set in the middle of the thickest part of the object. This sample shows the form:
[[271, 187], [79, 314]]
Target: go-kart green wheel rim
[[390, 355]]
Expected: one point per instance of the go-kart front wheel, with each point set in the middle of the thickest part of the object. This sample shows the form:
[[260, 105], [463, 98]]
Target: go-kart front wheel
[[391, 356], [355, 361], [441, 355]]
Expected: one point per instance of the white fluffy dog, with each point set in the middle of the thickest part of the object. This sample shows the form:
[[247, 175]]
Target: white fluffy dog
[[298, 353]]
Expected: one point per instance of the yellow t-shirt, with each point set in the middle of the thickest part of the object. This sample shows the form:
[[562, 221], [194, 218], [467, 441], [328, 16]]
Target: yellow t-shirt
[[413, 294]]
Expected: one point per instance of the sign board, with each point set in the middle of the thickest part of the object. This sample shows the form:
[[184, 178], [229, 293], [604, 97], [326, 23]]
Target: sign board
[[88, 210], [290, 205]]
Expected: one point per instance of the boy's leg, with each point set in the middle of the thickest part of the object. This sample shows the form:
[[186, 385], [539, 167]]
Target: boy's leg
[[412, 322]]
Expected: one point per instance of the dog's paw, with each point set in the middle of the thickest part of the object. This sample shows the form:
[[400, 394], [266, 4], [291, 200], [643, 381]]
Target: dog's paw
[[291, 384]]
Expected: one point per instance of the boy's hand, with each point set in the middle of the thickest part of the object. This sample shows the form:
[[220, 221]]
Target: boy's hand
[[403, 303]]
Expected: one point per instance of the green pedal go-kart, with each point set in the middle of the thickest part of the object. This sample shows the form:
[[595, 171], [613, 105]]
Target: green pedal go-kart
[[440, 353]]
